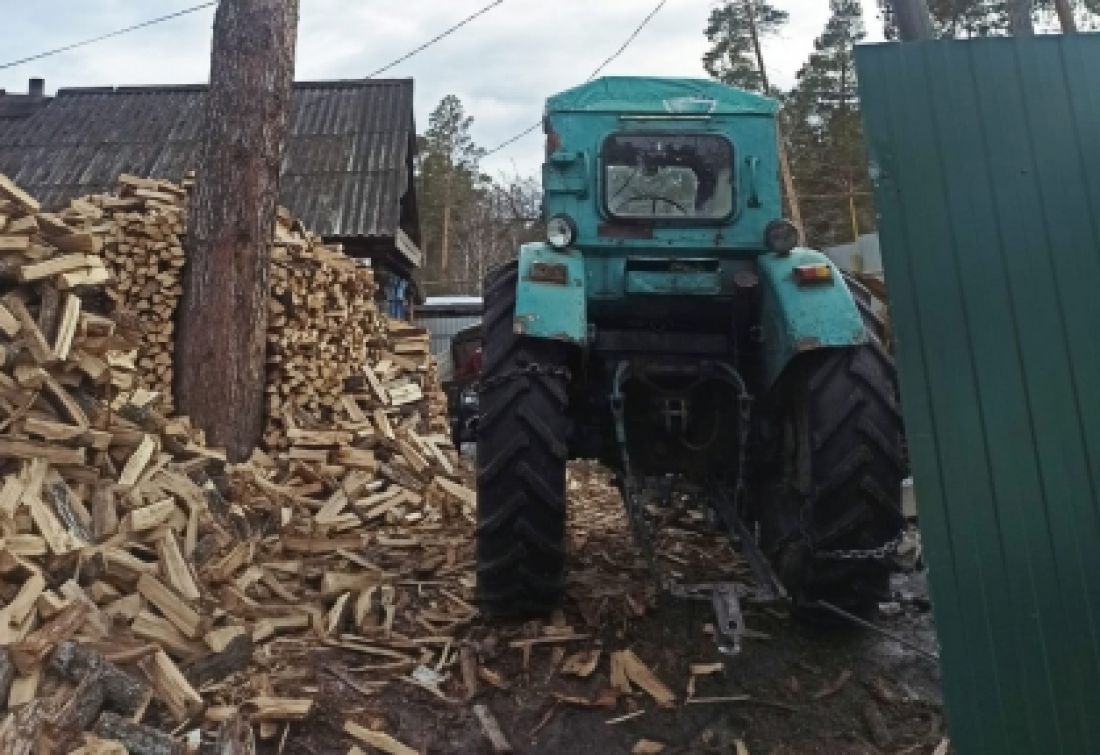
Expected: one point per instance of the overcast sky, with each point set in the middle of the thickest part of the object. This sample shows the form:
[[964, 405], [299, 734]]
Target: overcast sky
[[502, 65]]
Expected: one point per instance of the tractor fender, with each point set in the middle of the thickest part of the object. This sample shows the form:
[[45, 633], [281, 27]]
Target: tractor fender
[[798, 318], [550, 296]]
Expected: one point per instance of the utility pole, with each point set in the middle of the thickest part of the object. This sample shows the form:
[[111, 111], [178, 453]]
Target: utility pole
[[221, 341], [914, 21], [784, 161], [1019, 18]]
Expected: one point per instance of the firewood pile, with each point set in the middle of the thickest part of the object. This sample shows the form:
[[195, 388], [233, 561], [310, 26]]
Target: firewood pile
[[154, 597], [143, 251]]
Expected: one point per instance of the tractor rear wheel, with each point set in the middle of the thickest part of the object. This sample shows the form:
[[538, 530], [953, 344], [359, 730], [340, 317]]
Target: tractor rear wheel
[[521, 456], [839, 487]]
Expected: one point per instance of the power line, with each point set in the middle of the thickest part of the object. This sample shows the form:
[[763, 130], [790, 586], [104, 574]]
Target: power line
[[599, 69], [436, 38], [102, 37], [415, 51]]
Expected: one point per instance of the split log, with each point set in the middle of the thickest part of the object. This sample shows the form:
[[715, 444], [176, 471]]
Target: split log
[[235, 657], [137, 738], [122, 693]]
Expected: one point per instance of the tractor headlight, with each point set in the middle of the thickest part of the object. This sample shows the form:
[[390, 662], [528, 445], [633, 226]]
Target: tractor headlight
[[781, 236], [561, 231]]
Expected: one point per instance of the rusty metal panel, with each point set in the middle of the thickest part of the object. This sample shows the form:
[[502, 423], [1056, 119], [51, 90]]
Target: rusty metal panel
[[986, 161]]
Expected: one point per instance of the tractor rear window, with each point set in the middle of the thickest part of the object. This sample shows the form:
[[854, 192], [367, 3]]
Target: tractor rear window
[[668, 176]]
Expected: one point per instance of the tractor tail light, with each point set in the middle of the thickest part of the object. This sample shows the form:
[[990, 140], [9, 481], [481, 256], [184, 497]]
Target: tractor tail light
[[809, 275]]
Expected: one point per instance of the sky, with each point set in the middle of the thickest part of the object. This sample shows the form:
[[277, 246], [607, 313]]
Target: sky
[[503, 65]]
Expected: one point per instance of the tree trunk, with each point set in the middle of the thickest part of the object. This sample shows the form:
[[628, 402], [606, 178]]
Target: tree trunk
[[914, 21], [1019, 18], [220, 347], [1065, 16], [784, 162]]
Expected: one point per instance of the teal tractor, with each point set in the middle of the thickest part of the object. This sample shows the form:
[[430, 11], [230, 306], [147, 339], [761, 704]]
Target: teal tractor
[[671, 327]]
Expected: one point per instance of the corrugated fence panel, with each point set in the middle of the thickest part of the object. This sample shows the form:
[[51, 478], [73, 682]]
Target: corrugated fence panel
[[986, 159]]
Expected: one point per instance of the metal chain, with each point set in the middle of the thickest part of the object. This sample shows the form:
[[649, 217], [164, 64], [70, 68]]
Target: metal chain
[[879, 553], [530, 370], [744, 408]]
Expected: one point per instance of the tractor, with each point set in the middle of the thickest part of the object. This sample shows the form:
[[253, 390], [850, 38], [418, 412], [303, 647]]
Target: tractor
[[672, 327]]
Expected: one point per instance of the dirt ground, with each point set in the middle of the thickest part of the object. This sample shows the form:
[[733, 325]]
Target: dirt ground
[[791, 689]]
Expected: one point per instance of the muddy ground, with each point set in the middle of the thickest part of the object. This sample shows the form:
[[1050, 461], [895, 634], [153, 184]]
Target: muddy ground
[[792, 688]]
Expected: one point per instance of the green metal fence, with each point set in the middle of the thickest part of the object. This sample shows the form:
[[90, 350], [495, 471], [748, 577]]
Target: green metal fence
[[986, 159]]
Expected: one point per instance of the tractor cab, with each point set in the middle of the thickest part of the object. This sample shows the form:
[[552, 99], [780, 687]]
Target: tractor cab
[[662, 166]]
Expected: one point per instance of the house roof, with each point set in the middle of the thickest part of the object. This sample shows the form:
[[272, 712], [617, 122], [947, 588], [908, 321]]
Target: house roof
[[347, 169]]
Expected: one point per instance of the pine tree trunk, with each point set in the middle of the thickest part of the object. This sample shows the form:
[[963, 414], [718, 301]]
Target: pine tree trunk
[[1065, 16], [220, 348], [1019, 18], [914, 21], [784, 161]]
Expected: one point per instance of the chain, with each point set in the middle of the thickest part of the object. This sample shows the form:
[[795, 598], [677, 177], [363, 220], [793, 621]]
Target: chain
[[744, 408], [530, 370], [880, 553]]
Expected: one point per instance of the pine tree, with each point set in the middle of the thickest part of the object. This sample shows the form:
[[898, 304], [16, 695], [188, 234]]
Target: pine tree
[[447, 183], [731, 58], [964, 19], [826, 134]]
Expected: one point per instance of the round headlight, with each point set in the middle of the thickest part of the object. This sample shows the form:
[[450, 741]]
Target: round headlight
[[561, 231], [781, 236]]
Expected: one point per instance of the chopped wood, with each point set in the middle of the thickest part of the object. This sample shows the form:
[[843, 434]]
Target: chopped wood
[[9, 190], [28, 653], [171, 686], [278, 708], [631, 667], [183, 616], [122, 692], [378, 739], [581, 664], [175, 569], [491, 728], [138, 739], [32, 449]]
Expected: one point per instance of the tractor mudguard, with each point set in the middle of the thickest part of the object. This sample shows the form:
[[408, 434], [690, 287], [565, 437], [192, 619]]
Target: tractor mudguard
[[550, 296], [797, 318]]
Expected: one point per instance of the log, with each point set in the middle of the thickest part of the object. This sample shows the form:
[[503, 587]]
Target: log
[[122, 693], [235, 657], [82, 707], [137, 738]]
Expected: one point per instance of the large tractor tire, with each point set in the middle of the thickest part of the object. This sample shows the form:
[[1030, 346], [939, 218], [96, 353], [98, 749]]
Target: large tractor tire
[[839, 474], [521, 456]]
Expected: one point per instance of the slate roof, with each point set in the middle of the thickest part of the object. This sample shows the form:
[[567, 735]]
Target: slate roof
[[347, 169]]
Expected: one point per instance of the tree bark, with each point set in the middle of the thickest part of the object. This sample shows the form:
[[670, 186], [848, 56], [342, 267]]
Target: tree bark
[[784, 162], [1019, 18], [220, 347], [914, 21], [1065, 16]]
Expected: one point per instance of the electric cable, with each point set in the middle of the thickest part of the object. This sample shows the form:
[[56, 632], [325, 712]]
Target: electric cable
[[599, 69], [102, 37]]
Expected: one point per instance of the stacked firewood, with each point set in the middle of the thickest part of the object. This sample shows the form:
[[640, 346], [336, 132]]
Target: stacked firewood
[[144, 253], [138, 572], [321, 316]]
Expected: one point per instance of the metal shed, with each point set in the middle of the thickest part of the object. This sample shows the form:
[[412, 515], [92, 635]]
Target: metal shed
[[986, 160], [445, 316]]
